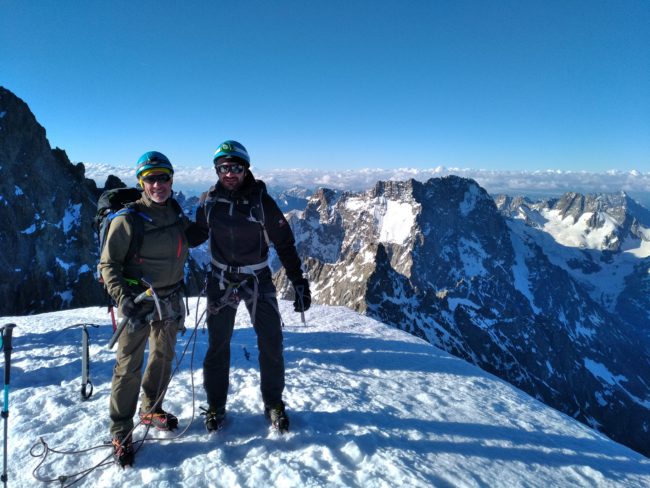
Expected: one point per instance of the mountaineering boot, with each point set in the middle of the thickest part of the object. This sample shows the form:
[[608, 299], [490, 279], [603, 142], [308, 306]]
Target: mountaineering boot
[[277, 416], [123, 450], [214, 418], [159, 419]]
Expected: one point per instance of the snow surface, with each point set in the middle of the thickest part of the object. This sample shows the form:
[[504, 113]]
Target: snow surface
[[572, 233], [393, 219], [72, 218], [370, 406], [29, 230], [469, 201], [520, 271], [397, 222], [605, 284], [472, 256]]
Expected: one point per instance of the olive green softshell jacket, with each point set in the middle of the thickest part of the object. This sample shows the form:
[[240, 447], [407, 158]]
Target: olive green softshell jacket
[[161, 258]]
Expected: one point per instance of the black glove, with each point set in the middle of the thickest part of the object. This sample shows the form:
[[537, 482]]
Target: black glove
[[128, 308], [302, 299]]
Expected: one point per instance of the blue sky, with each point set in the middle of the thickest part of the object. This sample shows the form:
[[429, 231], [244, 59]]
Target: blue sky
[[495, 85]]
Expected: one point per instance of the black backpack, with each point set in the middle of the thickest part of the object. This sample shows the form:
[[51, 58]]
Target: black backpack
[[119, 201]]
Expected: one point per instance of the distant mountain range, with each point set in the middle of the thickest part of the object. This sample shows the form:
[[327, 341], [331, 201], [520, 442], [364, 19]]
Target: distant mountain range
[[550, 295]]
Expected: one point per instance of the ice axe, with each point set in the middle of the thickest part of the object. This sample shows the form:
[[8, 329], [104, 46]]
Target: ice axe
[[86, 384], [149, 293]]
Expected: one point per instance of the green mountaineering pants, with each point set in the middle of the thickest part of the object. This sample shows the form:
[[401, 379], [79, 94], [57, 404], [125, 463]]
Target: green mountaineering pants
[[127, 372]]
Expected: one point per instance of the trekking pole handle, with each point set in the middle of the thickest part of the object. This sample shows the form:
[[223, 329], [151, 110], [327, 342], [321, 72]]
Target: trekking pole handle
[[7, 331], [124, 322]]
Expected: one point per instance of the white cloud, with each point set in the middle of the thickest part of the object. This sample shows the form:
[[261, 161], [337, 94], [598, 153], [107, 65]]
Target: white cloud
[[533, 183]]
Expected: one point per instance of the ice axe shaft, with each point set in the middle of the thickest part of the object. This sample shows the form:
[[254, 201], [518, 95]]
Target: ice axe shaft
[[152, 293]]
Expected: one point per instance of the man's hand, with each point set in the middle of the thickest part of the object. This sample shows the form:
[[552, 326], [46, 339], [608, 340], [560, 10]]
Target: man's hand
[[302, 300], [128, 308]]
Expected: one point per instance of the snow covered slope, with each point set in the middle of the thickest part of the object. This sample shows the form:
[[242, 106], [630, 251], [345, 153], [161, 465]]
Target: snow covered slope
[[370, 406], [601, 240]]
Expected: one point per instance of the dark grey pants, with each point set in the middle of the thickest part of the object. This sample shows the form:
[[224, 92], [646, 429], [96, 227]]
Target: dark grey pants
[[268, 327]]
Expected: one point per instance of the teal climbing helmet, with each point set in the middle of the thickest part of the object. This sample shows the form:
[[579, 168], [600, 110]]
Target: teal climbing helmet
[[152, 160], [232, 150]]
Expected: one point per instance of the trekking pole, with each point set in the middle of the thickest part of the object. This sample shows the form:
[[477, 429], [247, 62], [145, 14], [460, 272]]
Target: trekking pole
[[124, 322], [6, 332]]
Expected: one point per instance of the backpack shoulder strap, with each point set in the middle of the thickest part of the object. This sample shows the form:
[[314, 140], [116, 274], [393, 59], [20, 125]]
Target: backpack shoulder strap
[[207, 201], [136, 218], [262, 216]]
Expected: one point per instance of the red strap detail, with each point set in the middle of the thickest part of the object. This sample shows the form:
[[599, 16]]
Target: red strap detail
[[180, 247]]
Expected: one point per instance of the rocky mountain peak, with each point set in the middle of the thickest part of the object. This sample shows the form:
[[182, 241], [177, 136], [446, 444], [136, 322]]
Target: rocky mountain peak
[[44, 202], [320, 204], [394, 190]]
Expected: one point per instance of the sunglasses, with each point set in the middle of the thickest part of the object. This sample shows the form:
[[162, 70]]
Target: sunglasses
[[162, 178], [223, 169]]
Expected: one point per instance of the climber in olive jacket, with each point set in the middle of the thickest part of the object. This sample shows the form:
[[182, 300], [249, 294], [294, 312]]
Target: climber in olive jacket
[[159, 263], [161, 258]]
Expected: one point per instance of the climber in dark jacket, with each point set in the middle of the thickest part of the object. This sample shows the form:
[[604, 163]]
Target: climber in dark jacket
[[241, 220]]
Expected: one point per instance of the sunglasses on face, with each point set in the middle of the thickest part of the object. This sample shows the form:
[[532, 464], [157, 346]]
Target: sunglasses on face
[[162, 178], [223, 169]]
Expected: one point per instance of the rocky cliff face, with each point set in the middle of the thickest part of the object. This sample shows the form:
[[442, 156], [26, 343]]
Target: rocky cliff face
[[46, 263], [440, 261], [47, 207]]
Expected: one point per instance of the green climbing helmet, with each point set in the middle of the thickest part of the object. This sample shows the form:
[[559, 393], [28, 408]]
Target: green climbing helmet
[[232, 150]]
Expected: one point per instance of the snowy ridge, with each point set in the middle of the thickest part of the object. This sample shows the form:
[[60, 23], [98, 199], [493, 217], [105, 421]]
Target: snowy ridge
[[370, 406], [598, 239]]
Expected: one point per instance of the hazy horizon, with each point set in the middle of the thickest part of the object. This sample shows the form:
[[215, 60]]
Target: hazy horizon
[[534, 184]]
